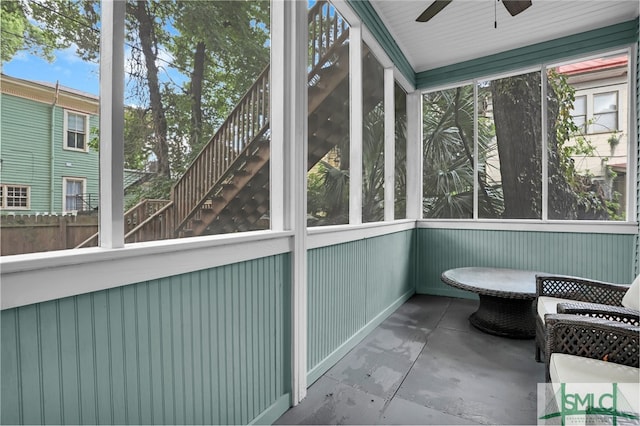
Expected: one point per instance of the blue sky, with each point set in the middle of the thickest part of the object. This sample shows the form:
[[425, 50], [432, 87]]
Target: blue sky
[[73, 72], [67, 68]]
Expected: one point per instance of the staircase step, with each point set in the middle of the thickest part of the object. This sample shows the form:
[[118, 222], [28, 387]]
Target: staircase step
[[255, 159]]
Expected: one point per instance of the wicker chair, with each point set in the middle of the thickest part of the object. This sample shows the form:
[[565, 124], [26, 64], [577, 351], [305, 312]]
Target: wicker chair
[[585, 297], [593, 338], [587, 351]]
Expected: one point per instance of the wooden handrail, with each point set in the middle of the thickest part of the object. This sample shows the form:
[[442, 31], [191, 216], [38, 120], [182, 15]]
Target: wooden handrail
[[165, 230], [327, 31], [247, 120], [137, 214]]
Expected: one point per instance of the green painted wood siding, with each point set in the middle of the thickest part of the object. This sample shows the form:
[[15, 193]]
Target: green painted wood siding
[[579, 44], [350, 284], [26, 157], [605, 257], [208, 347], [26, 146]]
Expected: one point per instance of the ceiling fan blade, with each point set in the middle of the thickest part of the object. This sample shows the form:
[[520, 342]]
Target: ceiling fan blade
[[516, 6], [432, 10]]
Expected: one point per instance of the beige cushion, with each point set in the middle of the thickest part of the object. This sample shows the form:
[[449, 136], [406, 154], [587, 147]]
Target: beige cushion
[[549, 305], [565, 368], [631, 298]]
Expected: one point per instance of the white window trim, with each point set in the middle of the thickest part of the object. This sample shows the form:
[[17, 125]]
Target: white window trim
[[66, 179], [39, 277], [569, 226], [5, 192], [591, 114], [65, 143]]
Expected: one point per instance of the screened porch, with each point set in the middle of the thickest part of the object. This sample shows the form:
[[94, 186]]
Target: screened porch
[[368, 155]]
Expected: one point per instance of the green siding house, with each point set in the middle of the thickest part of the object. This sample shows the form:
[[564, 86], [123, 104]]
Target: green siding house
[[46, 163]]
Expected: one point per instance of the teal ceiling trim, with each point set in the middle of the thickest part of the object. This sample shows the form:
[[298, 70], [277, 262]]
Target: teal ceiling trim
[[372, 21], [578, 44]]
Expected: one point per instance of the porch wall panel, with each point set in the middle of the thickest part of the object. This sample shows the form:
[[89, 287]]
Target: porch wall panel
[[207, 347], [637, 114], [607, 257], [351, 288]]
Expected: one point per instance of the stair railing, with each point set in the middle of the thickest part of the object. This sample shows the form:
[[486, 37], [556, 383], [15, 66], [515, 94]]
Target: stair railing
[[141, 212], [247, 120], [159, 226], [327, 31], [133, 217]]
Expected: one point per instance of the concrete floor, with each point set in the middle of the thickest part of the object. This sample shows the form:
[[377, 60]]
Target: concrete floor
[[426, 364]]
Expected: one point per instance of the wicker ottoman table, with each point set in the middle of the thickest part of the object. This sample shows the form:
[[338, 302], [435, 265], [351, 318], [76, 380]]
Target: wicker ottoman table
[[506, 299]]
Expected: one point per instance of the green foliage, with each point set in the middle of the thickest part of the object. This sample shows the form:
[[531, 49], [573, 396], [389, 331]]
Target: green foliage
[[316, 193], [373, 166], [138, 135], [587, 196], [138, 138], [448, 125], [20, 34]]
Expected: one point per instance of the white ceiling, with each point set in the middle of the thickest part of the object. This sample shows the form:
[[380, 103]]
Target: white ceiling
[[465, 30]]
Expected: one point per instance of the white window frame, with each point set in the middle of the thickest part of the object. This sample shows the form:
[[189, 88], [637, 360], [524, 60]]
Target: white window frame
[[584, 126], [65, 180], [627, 226], [65, 145], [593, 114], [5, 196]]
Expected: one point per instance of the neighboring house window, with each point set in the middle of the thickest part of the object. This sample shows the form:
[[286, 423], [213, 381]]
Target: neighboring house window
[[603, 116], [605, 112], [73, 194], [76, 131], [579, 113], [14, 197]]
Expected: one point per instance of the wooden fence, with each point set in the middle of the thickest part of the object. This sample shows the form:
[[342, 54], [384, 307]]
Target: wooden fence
[[37, 233]]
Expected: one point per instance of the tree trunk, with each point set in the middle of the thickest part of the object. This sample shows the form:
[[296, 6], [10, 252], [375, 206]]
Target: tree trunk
[[149, 47], [517, 114], [197, 77]]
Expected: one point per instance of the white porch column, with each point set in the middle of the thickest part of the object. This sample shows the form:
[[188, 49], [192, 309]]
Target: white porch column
[[389, 144], [414, 155], [355, 124], [111, 222], [289, 30]]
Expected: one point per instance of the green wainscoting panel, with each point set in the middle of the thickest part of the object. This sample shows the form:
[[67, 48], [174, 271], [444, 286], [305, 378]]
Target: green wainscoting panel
[[607, 257], [208, 347], [349, 286]]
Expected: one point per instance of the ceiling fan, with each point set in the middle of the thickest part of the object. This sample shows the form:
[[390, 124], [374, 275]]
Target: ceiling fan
[[513, 6]]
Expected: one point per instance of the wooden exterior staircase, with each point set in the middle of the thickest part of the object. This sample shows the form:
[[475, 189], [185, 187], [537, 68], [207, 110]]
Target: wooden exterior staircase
[[226, 187]]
